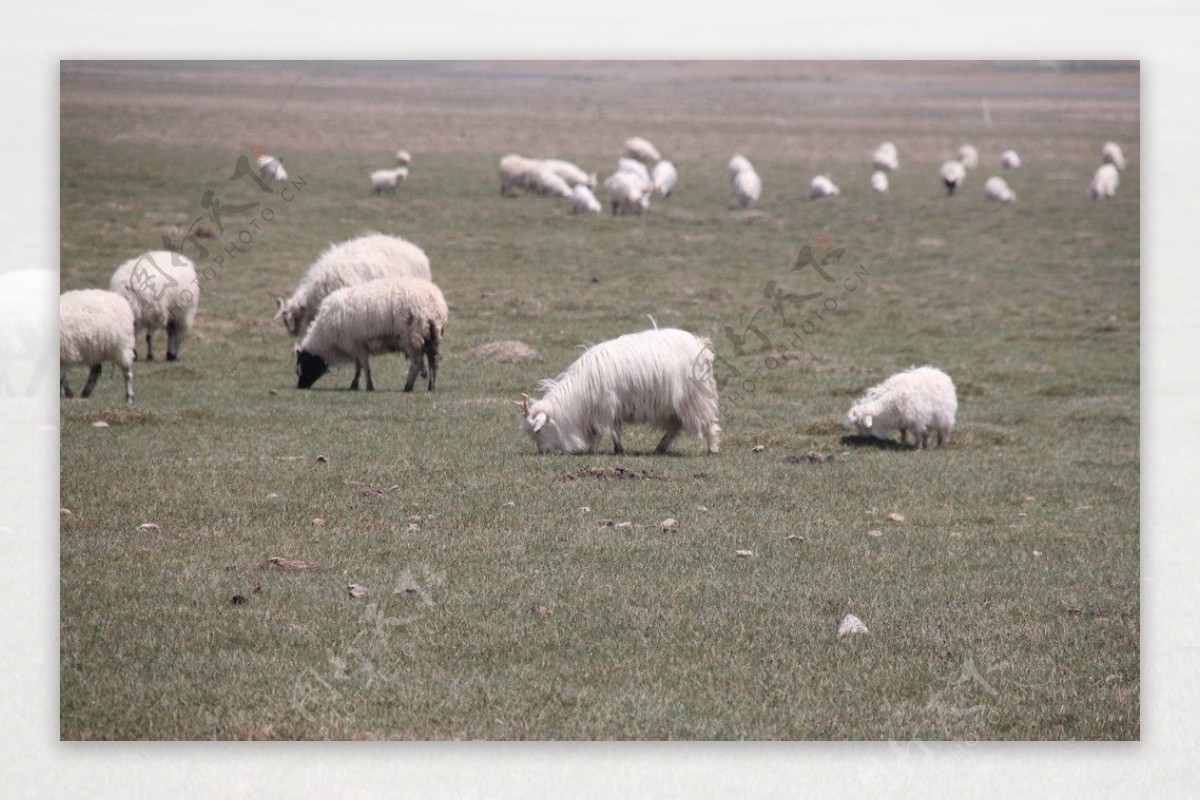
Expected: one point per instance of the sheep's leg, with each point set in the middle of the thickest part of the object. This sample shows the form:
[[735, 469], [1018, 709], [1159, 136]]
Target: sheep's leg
[[618, 448], [66, 388], [128, 372], [712, 434], [149, 347], [357, 373], [431, 353], [414, 367], [943, 437], [93, 377], [174, 338], [672, 431], [904, 436], [366, 366]]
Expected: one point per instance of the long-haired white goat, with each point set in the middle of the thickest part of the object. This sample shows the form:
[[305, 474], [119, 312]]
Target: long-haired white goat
[[663, 377]]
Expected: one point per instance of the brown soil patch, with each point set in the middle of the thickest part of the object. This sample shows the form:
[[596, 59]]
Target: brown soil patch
[[507, 351], [610, 473]]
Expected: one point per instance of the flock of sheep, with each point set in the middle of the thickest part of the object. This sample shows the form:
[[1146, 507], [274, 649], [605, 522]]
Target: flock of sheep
[[375, 294]]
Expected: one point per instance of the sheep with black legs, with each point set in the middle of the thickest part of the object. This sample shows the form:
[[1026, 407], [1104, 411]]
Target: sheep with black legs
[[952, 174], [388, 315], [663, 377], [95, 326], [163, 291], [920, 401], [388, 180]]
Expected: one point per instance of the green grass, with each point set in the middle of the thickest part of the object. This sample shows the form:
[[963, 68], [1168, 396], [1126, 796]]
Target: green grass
[[1004, 606]]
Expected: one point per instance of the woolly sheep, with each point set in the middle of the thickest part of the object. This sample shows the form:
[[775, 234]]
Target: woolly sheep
[[969, 156], [663, 377], [821, 187], [996, 188], [738, 163], [1105, 182], [664, 176], [637, 169], [886, 157], [387, 315], [544, 181], [952, 174], [747, 188], [388, 180], [271, 167], [403, 158], [582, 200], [571, 173], [879, 181], [627, 193], [95, 326], [1111, 154], [920, 401], [516, 173], [638, 148], [162, 288], [1009, 160]]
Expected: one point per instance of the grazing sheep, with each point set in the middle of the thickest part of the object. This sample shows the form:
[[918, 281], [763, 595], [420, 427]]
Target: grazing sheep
[[162, 288], [969, 156], [1111, 154], [747, 188], [996, 188], [583, 200], [637, 169], [515, 173], [920, 400], [271, 167], [345, 264], [95, 326], [739, 163], [571, 173], [545, 181], [627, 193], [664, 176], [879, 181], [952, 173], [387, 315], [403, 158], [1009, 160], [1105, 182], [663, 377], [388, 180], [886, 157], [821, 187], [638, 148]]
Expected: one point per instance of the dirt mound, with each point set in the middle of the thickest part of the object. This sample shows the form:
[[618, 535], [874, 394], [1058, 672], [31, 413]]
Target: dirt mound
[[610, 473], [508, 351]]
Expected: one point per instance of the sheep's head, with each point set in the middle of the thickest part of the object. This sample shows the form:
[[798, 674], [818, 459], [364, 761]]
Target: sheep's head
[[856, 418], [291, 315], [309, 367], [536, 423]]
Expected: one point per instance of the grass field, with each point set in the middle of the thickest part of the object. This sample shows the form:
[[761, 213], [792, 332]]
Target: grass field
[[505, 599]]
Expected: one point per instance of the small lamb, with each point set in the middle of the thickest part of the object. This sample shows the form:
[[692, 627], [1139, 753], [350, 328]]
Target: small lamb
[[388, 180], [879, 181], [822, 186], [95, 326], [996, 188], [920, 400]]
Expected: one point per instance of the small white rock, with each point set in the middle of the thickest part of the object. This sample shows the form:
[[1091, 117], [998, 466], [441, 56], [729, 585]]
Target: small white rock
[[745, 553], [148, 527], [99, 424], [670, 524], [852, 625], [357, 590]]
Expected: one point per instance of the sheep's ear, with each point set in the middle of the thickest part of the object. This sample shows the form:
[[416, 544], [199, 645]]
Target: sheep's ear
[[539, 421]]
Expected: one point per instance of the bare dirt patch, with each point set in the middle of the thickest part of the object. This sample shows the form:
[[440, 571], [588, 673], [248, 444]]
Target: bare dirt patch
[[611, 473], [506, 351]]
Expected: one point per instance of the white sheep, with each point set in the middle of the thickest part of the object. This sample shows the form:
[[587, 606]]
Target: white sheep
[[821, 186], [969, 156], [164, 292], [952, 174], [1105, 182], [920, 401], [738, 163], [879, 181], [663, 377], [388, 180], [747, 188], [403, 158], [638, 148], [95, 326], [627, 193], [271, 167], [886, 157], [637, 169], [516, 173], [664, 176], [1009, 160], [387, 315], [1111, 154], [545, 181], [571, 173], [583, 201], [996, 188]]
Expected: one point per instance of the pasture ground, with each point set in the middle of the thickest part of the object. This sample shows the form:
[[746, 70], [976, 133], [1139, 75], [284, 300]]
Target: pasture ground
[[501, 604]]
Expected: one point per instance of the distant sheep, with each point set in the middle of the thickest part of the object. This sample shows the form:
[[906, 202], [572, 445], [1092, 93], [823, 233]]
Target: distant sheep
[[638, 148], [571, 173], [996, 188], [583, 201], [920, 401], [516, 173], [747, 188], [879, 181], [663, 377], [388, 315], [636, 168], [162, 288], [345, 264], [952, 174], [95, 326], [969, 156], [1105, 182], [271, 167], [627, 193], [886, 157], [403, 158], [544, 181], [822, 186], [388, 180], [1111, 154], [664, 176], [1009, 160], [738, 163]]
